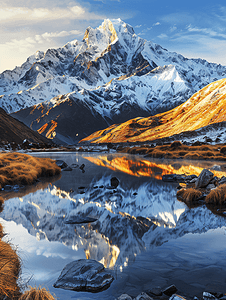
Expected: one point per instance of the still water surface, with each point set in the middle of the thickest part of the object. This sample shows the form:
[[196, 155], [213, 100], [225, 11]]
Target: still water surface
[[143, 233]]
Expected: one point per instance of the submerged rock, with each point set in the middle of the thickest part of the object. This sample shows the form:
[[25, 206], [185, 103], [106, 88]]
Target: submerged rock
[[169, 291], [84, 275]]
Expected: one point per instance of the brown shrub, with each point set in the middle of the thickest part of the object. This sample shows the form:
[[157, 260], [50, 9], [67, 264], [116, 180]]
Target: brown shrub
[[192, 155], [9, 272], [36, 294], [205, 148], [1, 231], [176, 145], [188, 195], [23, 169], [208, 153], [217, 196], [1, 204], [158, 154], [223, 150], [182, 153]]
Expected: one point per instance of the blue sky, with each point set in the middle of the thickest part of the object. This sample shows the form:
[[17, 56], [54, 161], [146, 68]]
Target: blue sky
[[191, 28]]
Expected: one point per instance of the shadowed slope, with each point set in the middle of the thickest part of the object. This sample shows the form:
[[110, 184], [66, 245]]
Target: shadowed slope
[[207, 106], [12, 130]]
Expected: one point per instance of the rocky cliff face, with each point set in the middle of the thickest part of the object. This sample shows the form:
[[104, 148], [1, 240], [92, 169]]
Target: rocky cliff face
[[113, 72]]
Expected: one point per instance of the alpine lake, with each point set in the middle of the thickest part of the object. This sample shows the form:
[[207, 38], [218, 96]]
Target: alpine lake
[[140, 232]]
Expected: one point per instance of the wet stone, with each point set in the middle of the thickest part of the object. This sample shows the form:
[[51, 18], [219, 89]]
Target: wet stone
[[67, 169], [62, 164], [173, 178], [208, 296], [177, 297], [84, 275], [143, 296], [210, 186], [204, 178], [82, 167], [124, 297], [169, 291], [222, 180]]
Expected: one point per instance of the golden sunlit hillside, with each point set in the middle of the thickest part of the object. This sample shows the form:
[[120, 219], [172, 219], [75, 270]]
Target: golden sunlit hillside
[[206, 107]]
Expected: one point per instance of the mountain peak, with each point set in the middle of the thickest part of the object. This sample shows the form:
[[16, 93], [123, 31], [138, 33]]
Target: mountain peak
[[107, 33]]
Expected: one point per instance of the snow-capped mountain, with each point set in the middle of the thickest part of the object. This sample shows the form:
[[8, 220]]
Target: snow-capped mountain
[[112, 75], [204, 108]]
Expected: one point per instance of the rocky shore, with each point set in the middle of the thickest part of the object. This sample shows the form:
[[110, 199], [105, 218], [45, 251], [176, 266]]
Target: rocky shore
[[170, 293]]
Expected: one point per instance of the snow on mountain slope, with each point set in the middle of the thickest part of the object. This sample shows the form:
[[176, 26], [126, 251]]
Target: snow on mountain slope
[[204, 108], [112, 70]]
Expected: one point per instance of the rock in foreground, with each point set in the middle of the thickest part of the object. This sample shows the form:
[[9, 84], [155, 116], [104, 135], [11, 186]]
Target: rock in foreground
[[84, 275]]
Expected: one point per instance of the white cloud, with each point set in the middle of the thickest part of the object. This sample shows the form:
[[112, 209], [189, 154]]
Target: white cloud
[[12, 14], [173, 28], [31, 42], [156, 24], [202, 46], [137, 26], [162, 36], [16, 51], [207, 31]]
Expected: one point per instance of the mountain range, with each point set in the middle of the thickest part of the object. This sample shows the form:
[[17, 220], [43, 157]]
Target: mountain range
[[205, 109], [109, 77]]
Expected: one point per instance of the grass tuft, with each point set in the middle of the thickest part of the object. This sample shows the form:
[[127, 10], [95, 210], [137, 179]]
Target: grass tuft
[[188, 195], [9, 272], [36, 294], [176, 145], [18, 168], [217, 196]]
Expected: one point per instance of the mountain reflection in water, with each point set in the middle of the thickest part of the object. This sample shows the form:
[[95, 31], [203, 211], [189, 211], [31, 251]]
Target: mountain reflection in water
[[140, 214], [143, 167]]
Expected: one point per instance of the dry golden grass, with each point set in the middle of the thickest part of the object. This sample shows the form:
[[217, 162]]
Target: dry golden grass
[[217, 196], [188, 195], [178, 150], [36, 294], [9, 272], [18, 168], [1, 231]]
